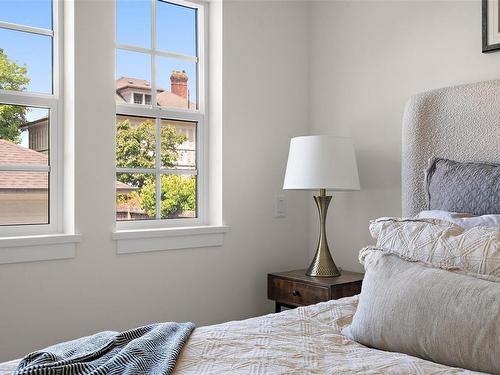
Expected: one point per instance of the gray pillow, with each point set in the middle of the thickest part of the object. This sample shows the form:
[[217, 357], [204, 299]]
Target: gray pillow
[[438, 315], [463, 187]]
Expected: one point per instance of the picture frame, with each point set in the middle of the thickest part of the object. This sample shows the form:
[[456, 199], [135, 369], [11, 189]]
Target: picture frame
[[491, 25]]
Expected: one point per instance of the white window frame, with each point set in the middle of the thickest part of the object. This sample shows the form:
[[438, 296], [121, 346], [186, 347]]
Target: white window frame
[[157, 113], [52, 102]]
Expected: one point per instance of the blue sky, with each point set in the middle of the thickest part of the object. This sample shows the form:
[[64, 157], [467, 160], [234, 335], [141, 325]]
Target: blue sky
[[34, 51], [175, 33]]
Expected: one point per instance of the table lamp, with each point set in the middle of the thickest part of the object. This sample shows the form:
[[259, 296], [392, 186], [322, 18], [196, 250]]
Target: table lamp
[[322, 162]]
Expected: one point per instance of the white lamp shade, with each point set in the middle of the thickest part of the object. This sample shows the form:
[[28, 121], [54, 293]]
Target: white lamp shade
[[321, 162]]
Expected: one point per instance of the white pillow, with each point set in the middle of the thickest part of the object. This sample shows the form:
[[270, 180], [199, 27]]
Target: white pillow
[[463, 220]]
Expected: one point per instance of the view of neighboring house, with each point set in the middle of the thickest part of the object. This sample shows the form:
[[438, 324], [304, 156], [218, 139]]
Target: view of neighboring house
[[24, 195], [38, 139], [138, 91], [128, 90]]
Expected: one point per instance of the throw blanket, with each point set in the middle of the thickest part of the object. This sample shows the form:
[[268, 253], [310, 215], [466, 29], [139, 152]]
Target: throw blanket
[[152, 349]]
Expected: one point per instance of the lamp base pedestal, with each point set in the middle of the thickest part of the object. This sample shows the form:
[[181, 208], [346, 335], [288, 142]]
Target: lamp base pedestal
[[322, 264]]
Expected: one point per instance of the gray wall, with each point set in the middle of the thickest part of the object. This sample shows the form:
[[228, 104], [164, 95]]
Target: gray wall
[[367, 59], [264, 94]]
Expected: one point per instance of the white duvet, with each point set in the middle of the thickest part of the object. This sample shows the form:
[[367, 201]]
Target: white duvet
[[305, 340]]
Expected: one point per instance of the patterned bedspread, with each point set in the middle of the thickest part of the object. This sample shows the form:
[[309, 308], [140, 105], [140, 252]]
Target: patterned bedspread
[[302, 341]]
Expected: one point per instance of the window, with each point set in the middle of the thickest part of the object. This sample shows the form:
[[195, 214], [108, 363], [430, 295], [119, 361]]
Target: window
[[138, 98], [160, 113], [30, 162]]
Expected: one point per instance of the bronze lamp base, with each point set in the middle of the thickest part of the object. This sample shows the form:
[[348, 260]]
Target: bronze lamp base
[[322, 264]]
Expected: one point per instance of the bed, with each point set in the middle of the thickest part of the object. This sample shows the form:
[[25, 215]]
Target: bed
[[457, 123], [305, 340]]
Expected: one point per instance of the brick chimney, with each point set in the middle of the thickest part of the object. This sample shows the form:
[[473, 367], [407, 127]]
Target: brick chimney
[[178, 83]]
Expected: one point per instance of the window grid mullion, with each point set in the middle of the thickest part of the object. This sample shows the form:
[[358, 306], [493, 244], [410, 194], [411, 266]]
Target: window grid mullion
[[135, 170], [155, 52], [191, 172], [24, 168], [154, 102], [29, 99], [157, 168], [169, 114], [26, 28]]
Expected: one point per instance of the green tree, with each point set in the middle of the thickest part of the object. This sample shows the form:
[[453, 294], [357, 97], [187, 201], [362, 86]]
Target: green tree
[[178, 193], [136, 148], [12, 77]]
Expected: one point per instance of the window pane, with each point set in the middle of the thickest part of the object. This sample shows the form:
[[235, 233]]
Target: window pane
[[24, 135], [138, 98], [178, 144], [37, 13], [135, 196], [178, 196], [24, 198], [177, 83], [26, 60], [135, 142], [176, 28], [133, 22], [133, 75]]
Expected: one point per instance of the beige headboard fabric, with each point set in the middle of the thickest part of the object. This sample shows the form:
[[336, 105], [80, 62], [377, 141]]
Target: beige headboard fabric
[[460, 123]]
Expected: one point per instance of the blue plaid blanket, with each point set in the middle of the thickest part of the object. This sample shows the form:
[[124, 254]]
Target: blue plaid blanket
[[152, 349]]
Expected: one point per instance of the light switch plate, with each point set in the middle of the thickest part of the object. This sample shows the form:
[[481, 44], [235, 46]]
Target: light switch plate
[[280, 206]]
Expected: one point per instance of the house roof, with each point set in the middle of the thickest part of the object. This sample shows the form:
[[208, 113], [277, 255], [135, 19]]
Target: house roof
[[14, 154], [135, 83], [23, 181], [164, 98], [41, 121], [124, 188], [169, 99]]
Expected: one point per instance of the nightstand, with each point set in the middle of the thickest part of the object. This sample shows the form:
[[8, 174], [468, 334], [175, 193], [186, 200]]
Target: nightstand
[[293, 288]]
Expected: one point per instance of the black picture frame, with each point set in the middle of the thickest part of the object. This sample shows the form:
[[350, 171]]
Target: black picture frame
[[487, 48]]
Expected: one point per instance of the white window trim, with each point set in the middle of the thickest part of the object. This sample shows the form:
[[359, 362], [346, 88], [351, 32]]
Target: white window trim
[[160, 239], [26, 243], [36, 248], [160, 235], [157, 112]]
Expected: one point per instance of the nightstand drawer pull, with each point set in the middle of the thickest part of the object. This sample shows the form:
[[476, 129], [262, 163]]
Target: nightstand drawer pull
[[295, 293]]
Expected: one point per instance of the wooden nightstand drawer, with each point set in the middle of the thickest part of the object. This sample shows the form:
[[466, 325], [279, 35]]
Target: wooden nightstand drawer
[[295, 288], [296, 293]]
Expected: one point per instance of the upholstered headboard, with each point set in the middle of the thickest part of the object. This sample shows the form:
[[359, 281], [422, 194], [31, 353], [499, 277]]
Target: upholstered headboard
[[460, 123]]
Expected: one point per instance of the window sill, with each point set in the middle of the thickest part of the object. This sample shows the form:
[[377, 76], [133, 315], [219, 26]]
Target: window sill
[[36, 248], [146, 240]]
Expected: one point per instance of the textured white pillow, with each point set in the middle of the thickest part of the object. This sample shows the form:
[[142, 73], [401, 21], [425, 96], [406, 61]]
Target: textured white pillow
[[441, 244], [427, 312], [463, 220]]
